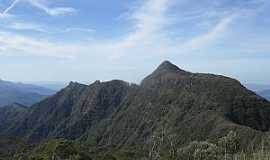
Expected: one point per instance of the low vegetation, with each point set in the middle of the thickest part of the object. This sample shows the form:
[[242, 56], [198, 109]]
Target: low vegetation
[[161, 147], [58, 149]]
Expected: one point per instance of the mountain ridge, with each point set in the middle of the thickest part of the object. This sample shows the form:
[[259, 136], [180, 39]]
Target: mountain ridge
[[189, 106]]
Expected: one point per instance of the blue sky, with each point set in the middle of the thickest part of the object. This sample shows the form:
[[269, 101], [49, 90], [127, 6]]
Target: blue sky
[[85, 40]]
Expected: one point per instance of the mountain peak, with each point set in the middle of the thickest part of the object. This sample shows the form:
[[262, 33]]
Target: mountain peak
[[167, 65], [73, 84], [166, 70]]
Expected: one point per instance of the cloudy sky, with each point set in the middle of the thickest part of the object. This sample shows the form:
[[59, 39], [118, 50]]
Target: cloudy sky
[[85, 40]]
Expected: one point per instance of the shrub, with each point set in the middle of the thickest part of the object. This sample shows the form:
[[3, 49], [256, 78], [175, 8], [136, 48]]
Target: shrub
[[229, 144], [199, 151]]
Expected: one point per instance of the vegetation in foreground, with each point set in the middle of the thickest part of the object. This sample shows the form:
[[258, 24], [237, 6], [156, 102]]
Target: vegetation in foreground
[[160, 148]]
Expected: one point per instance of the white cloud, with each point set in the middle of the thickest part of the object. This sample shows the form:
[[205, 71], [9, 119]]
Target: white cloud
[[78, 29], [202, 40], [150, 22], [150, 35], [155, 35], [51, 11], [26, 26], [13, 4], [13, 44], [6, 16], [42, 5]]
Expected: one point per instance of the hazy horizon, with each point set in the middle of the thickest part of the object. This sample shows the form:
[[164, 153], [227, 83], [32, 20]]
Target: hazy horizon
[[84, 41]]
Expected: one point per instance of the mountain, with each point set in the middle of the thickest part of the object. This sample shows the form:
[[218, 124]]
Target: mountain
[[183, 105], [265, 93], [55, 86], [257, 87], [12, 114], [25, 94], [189, 106], [260, 89]]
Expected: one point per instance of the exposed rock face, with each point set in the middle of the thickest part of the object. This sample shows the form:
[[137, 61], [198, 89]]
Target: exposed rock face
[[188, 106]]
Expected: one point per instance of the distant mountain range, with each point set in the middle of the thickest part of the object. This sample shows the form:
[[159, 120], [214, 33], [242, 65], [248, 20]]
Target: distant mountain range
[[25, 94], [56, 86], [257, 87], [261, 89], [265, 93]]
